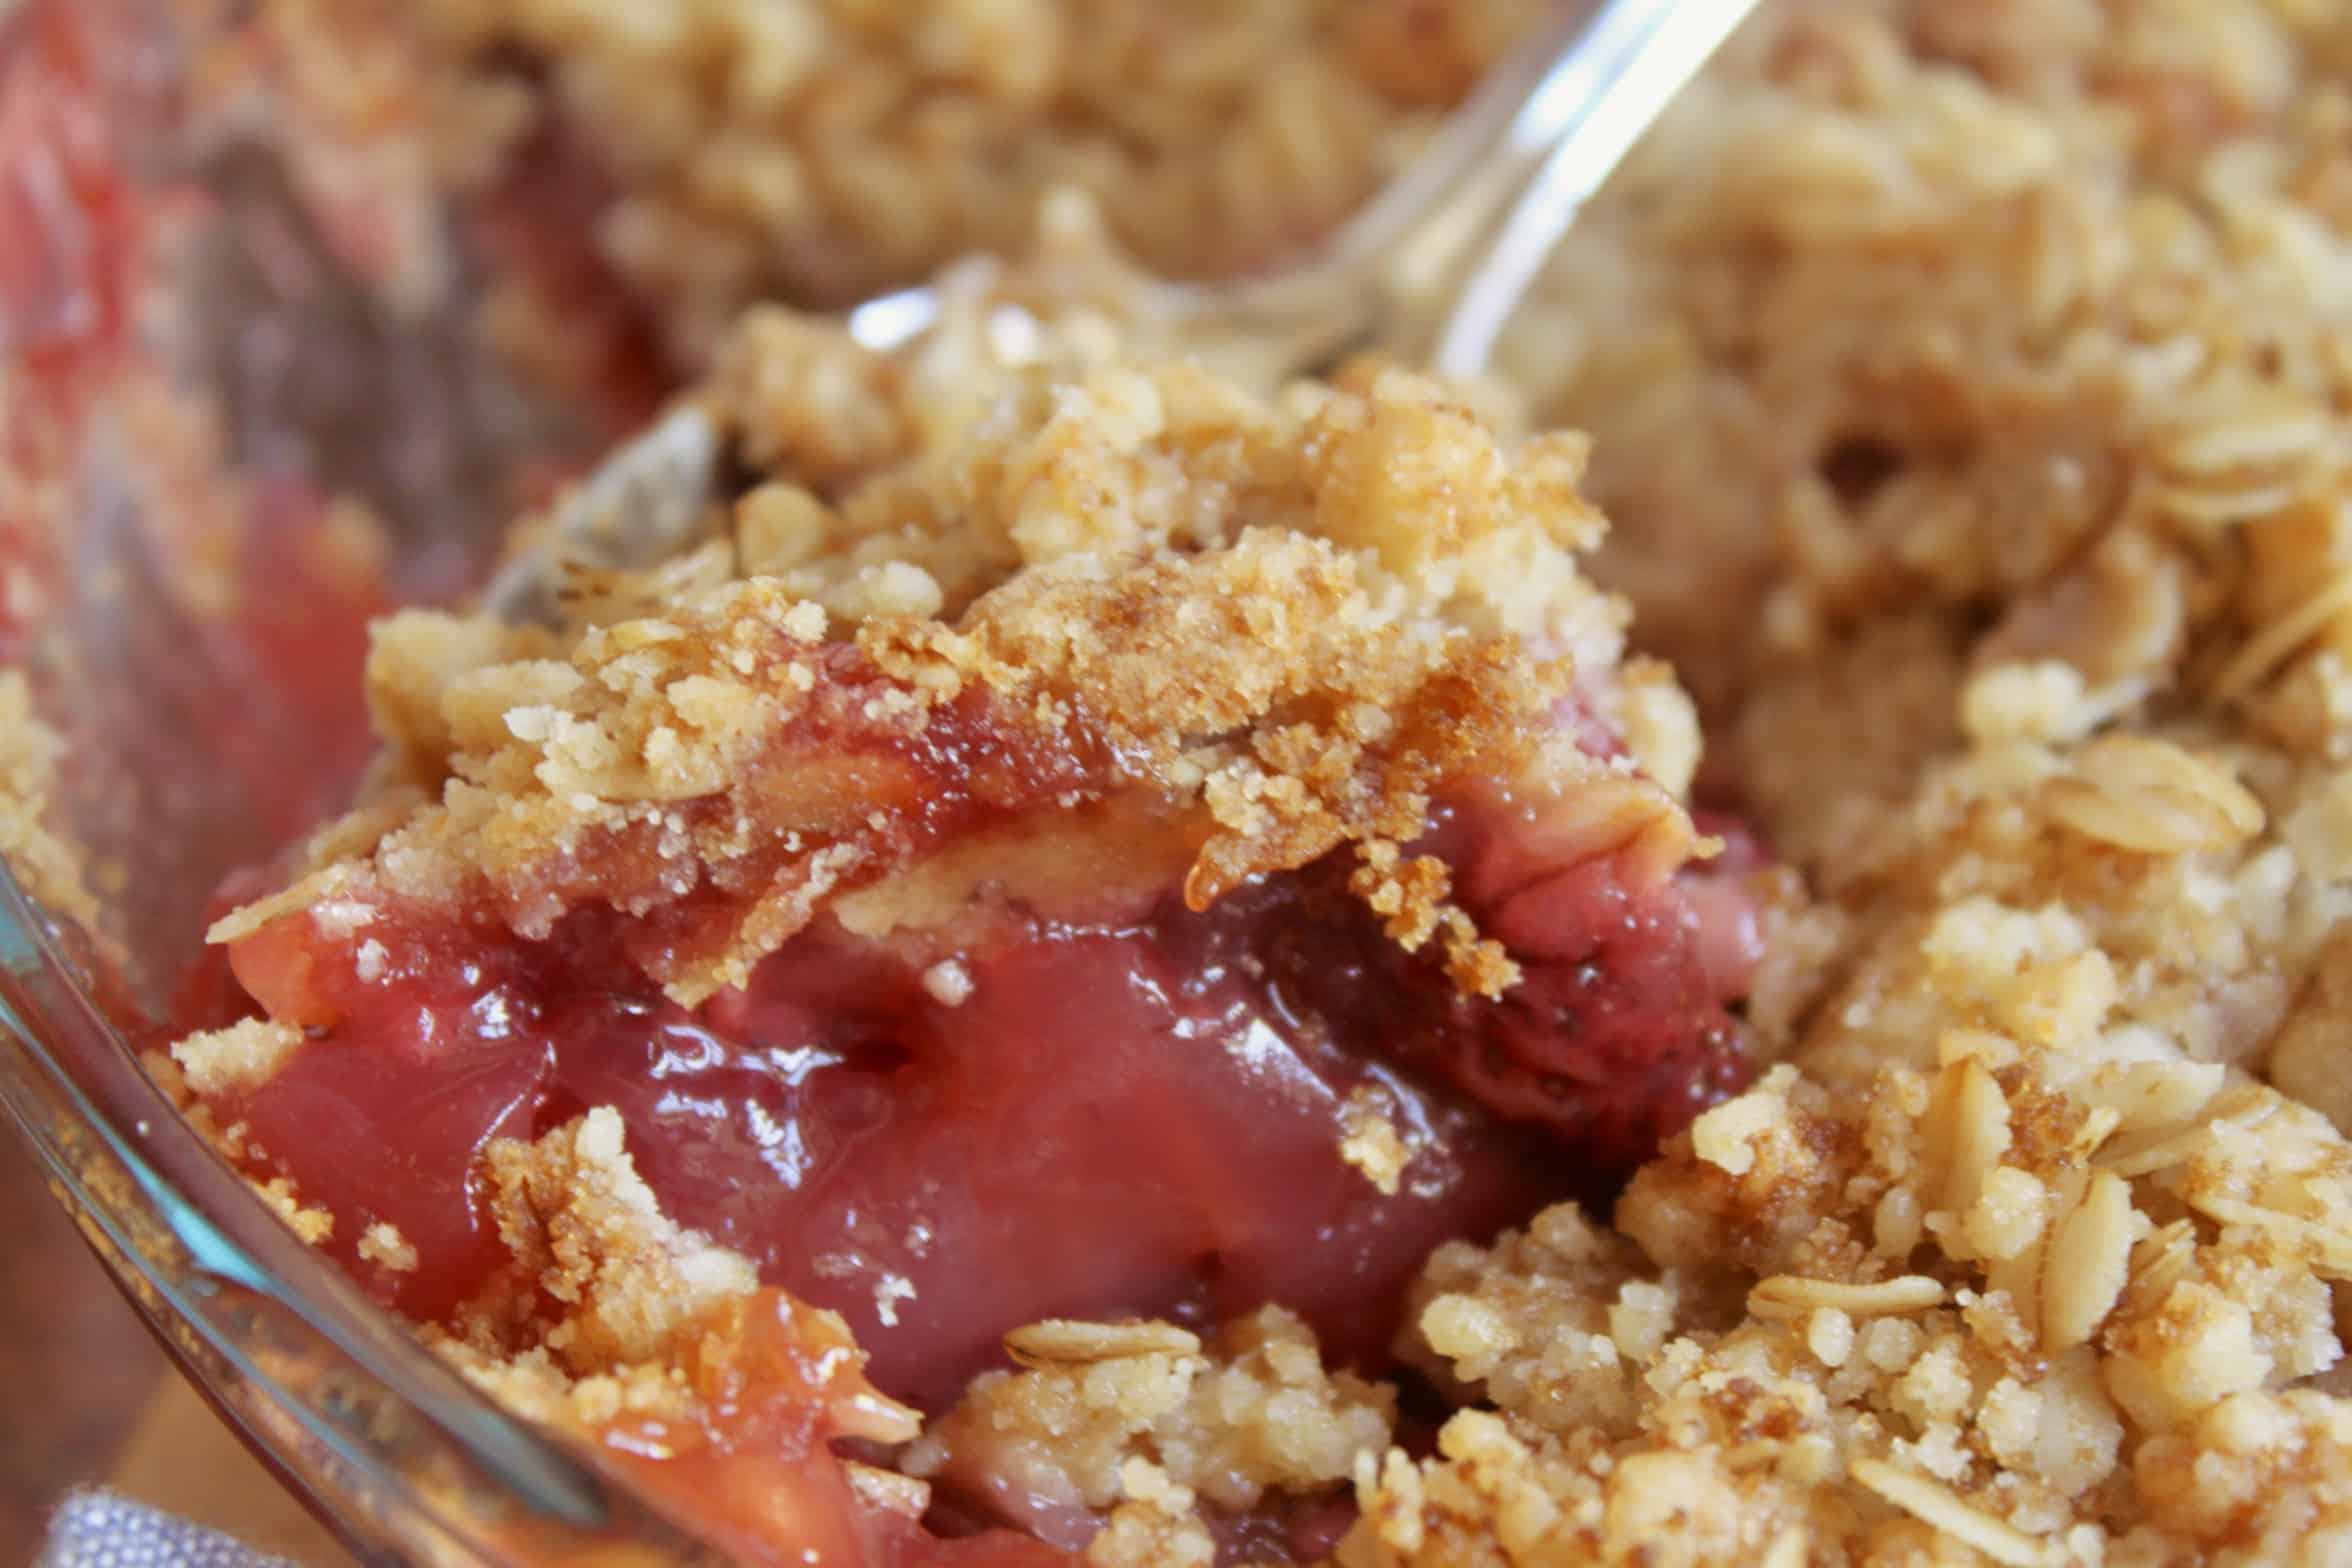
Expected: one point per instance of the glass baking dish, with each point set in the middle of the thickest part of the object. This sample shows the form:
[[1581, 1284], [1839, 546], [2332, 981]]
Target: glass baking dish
[[186, 347]]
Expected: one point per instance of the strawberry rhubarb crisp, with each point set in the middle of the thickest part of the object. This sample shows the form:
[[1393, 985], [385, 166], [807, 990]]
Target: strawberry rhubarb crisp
[[1118, 966]]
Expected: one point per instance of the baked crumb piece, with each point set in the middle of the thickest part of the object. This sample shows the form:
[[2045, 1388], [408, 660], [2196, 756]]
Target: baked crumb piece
[[384, 1246], [311, 1224], [613, 1314], [246, 1052], [1145, 1414], [1752, 1349], [47, 864], [1158, 1526], [591, 1247]]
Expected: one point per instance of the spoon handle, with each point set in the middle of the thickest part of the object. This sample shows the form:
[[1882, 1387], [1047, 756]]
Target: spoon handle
[[1601, 94], [1434, 263]]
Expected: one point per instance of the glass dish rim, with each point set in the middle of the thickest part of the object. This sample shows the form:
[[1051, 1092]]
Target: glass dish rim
[[233, 1296]]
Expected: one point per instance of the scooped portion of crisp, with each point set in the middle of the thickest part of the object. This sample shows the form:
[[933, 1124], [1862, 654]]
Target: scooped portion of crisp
[[1120, 849]]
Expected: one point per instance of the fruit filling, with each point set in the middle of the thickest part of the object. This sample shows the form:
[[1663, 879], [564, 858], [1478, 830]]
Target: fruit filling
[[1138, 1113], [1131, 860]]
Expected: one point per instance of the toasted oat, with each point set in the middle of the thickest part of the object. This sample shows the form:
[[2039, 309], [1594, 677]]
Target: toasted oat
[[1786, 1296], [2270, 648], [1068, 1342], [1935, 1505], [1146, 1413], [2153, 797], [2091, 1254]]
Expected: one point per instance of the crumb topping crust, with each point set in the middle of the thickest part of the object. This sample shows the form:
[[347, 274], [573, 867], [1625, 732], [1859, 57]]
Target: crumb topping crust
[[1295, 623]]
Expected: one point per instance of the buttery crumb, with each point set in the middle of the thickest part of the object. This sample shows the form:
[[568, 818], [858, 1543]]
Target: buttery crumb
[[1373, 1145], [1251, 1411], [382, 1244], [1112, 603], [244, 1054], [948, 983]]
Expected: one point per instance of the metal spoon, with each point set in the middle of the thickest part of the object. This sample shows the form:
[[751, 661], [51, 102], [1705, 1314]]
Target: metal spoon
[[1432, 267]]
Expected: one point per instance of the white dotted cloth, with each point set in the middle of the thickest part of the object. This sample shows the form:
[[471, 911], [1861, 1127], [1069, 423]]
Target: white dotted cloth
[[101, 1530]]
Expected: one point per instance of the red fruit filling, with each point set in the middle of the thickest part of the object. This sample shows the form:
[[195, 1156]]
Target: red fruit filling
[[1091, 1106]]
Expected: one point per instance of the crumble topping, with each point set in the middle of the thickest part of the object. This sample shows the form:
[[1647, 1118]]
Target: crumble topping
[[586, 1234], [1293, 620], [823, 153], [245, 1052], [1991, 360], [1253, 1410], [2095, 1291], [616, 1315]]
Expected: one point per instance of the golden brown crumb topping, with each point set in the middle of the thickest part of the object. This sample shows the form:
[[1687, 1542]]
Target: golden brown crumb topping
[[821, 152], [611, 1311], [585, 1231], [1292, 622], [1968, 386]]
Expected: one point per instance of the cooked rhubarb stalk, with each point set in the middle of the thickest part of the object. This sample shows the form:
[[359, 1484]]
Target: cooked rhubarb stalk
[[1148, 853]]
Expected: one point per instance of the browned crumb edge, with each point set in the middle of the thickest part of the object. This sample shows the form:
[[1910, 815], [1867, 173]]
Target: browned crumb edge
[[1292, 621]]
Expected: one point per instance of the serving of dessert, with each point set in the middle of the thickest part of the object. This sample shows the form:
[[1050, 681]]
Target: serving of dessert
[[1721, 949]]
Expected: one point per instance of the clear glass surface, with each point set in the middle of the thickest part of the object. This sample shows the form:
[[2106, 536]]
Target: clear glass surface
[[182, 343]]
